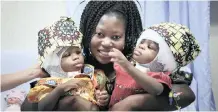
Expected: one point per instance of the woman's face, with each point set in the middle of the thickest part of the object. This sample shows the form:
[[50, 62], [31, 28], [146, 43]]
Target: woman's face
[[109, 33]]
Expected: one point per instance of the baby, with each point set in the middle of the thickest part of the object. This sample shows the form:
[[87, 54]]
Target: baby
[[161, 50], [14, 99], [59, 48]]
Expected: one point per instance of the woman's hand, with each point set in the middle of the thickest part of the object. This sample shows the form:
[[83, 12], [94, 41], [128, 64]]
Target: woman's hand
[[102, 97], [37, 72], [118, 57]]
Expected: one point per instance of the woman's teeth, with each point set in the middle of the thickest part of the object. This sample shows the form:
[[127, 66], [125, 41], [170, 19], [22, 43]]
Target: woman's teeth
[[104, 53]]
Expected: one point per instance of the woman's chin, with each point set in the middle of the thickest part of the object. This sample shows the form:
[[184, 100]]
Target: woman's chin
[[103, 61]]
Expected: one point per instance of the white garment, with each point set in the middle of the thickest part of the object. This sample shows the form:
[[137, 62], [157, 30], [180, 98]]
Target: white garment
[[164, 61], [52, 64], [13, 107]]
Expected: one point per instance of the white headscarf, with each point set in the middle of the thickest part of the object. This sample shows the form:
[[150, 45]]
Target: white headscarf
[[52, 64], [164, 61]]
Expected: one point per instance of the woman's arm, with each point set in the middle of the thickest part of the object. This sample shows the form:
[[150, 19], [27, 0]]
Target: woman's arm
[[148, 102], [151, 85], [9, 81], [27, 106], [48, 103]]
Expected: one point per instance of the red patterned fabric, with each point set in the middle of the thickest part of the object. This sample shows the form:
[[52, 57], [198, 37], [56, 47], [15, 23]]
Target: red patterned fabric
[[125, 85]]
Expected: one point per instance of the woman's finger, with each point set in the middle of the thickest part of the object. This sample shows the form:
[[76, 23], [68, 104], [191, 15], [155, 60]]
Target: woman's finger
[[103, 97], [112, 54], [115, 50], [103, 102], [112, 59], [97, 92], [104, 92]]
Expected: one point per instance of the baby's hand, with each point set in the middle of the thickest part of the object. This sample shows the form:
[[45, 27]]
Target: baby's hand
[[117, 57], [72, 84], [102, 97]]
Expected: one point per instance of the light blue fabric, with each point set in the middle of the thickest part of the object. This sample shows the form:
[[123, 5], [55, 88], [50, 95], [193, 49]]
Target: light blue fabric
[[195, 15]]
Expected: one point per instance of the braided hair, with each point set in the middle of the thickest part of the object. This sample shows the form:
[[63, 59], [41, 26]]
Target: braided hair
[[127, 10]]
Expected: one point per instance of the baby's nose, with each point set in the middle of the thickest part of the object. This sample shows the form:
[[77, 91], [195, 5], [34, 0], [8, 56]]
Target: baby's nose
[[75, 57], [141, 46]]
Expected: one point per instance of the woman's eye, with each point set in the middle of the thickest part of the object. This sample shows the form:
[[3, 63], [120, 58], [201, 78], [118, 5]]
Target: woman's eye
[[99, 34], [116, 37]]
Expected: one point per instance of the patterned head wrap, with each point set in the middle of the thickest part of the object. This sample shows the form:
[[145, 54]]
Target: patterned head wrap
[[53, 41], [60, 34], [177, 46]]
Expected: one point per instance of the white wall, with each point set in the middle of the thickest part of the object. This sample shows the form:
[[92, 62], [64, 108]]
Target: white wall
[[20, 23], [213, 48]]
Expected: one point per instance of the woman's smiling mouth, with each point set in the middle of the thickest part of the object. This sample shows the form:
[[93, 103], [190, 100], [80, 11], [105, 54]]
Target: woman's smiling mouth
[[104, 54]]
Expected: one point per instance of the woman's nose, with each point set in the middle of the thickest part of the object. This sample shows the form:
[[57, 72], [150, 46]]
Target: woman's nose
[[107, 42]]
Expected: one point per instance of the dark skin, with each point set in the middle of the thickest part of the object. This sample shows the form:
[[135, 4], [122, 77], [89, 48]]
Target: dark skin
[[51, 100], [149, 102], [78, 103], [144, 101]]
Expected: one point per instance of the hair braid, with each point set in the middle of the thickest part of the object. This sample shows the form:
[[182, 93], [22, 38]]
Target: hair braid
[[93, 12]]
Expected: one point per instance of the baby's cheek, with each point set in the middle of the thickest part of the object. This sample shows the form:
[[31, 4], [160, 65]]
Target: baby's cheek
[[64, 65]]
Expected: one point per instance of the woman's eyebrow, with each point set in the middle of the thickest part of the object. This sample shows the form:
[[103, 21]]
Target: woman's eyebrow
[[118, 32]]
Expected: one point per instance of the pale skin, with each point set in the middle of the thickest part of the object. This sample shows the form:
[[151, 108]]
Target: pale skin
[[7, 82], [144, 53]]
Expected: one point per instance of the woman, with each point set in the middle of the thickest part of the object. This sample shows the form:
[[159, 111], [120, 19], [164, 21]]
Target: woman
[[114, 24]]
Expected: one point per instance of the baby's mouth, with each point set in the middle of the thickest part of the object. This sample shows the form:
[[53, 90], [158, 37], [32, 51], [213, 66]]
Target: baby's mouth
[[79, 65], [137, 53]]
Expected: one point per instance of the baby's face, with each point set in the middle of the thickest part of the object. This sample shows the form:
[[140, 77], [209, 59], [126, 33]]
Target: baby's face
[[72, 59], [146, 51]]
